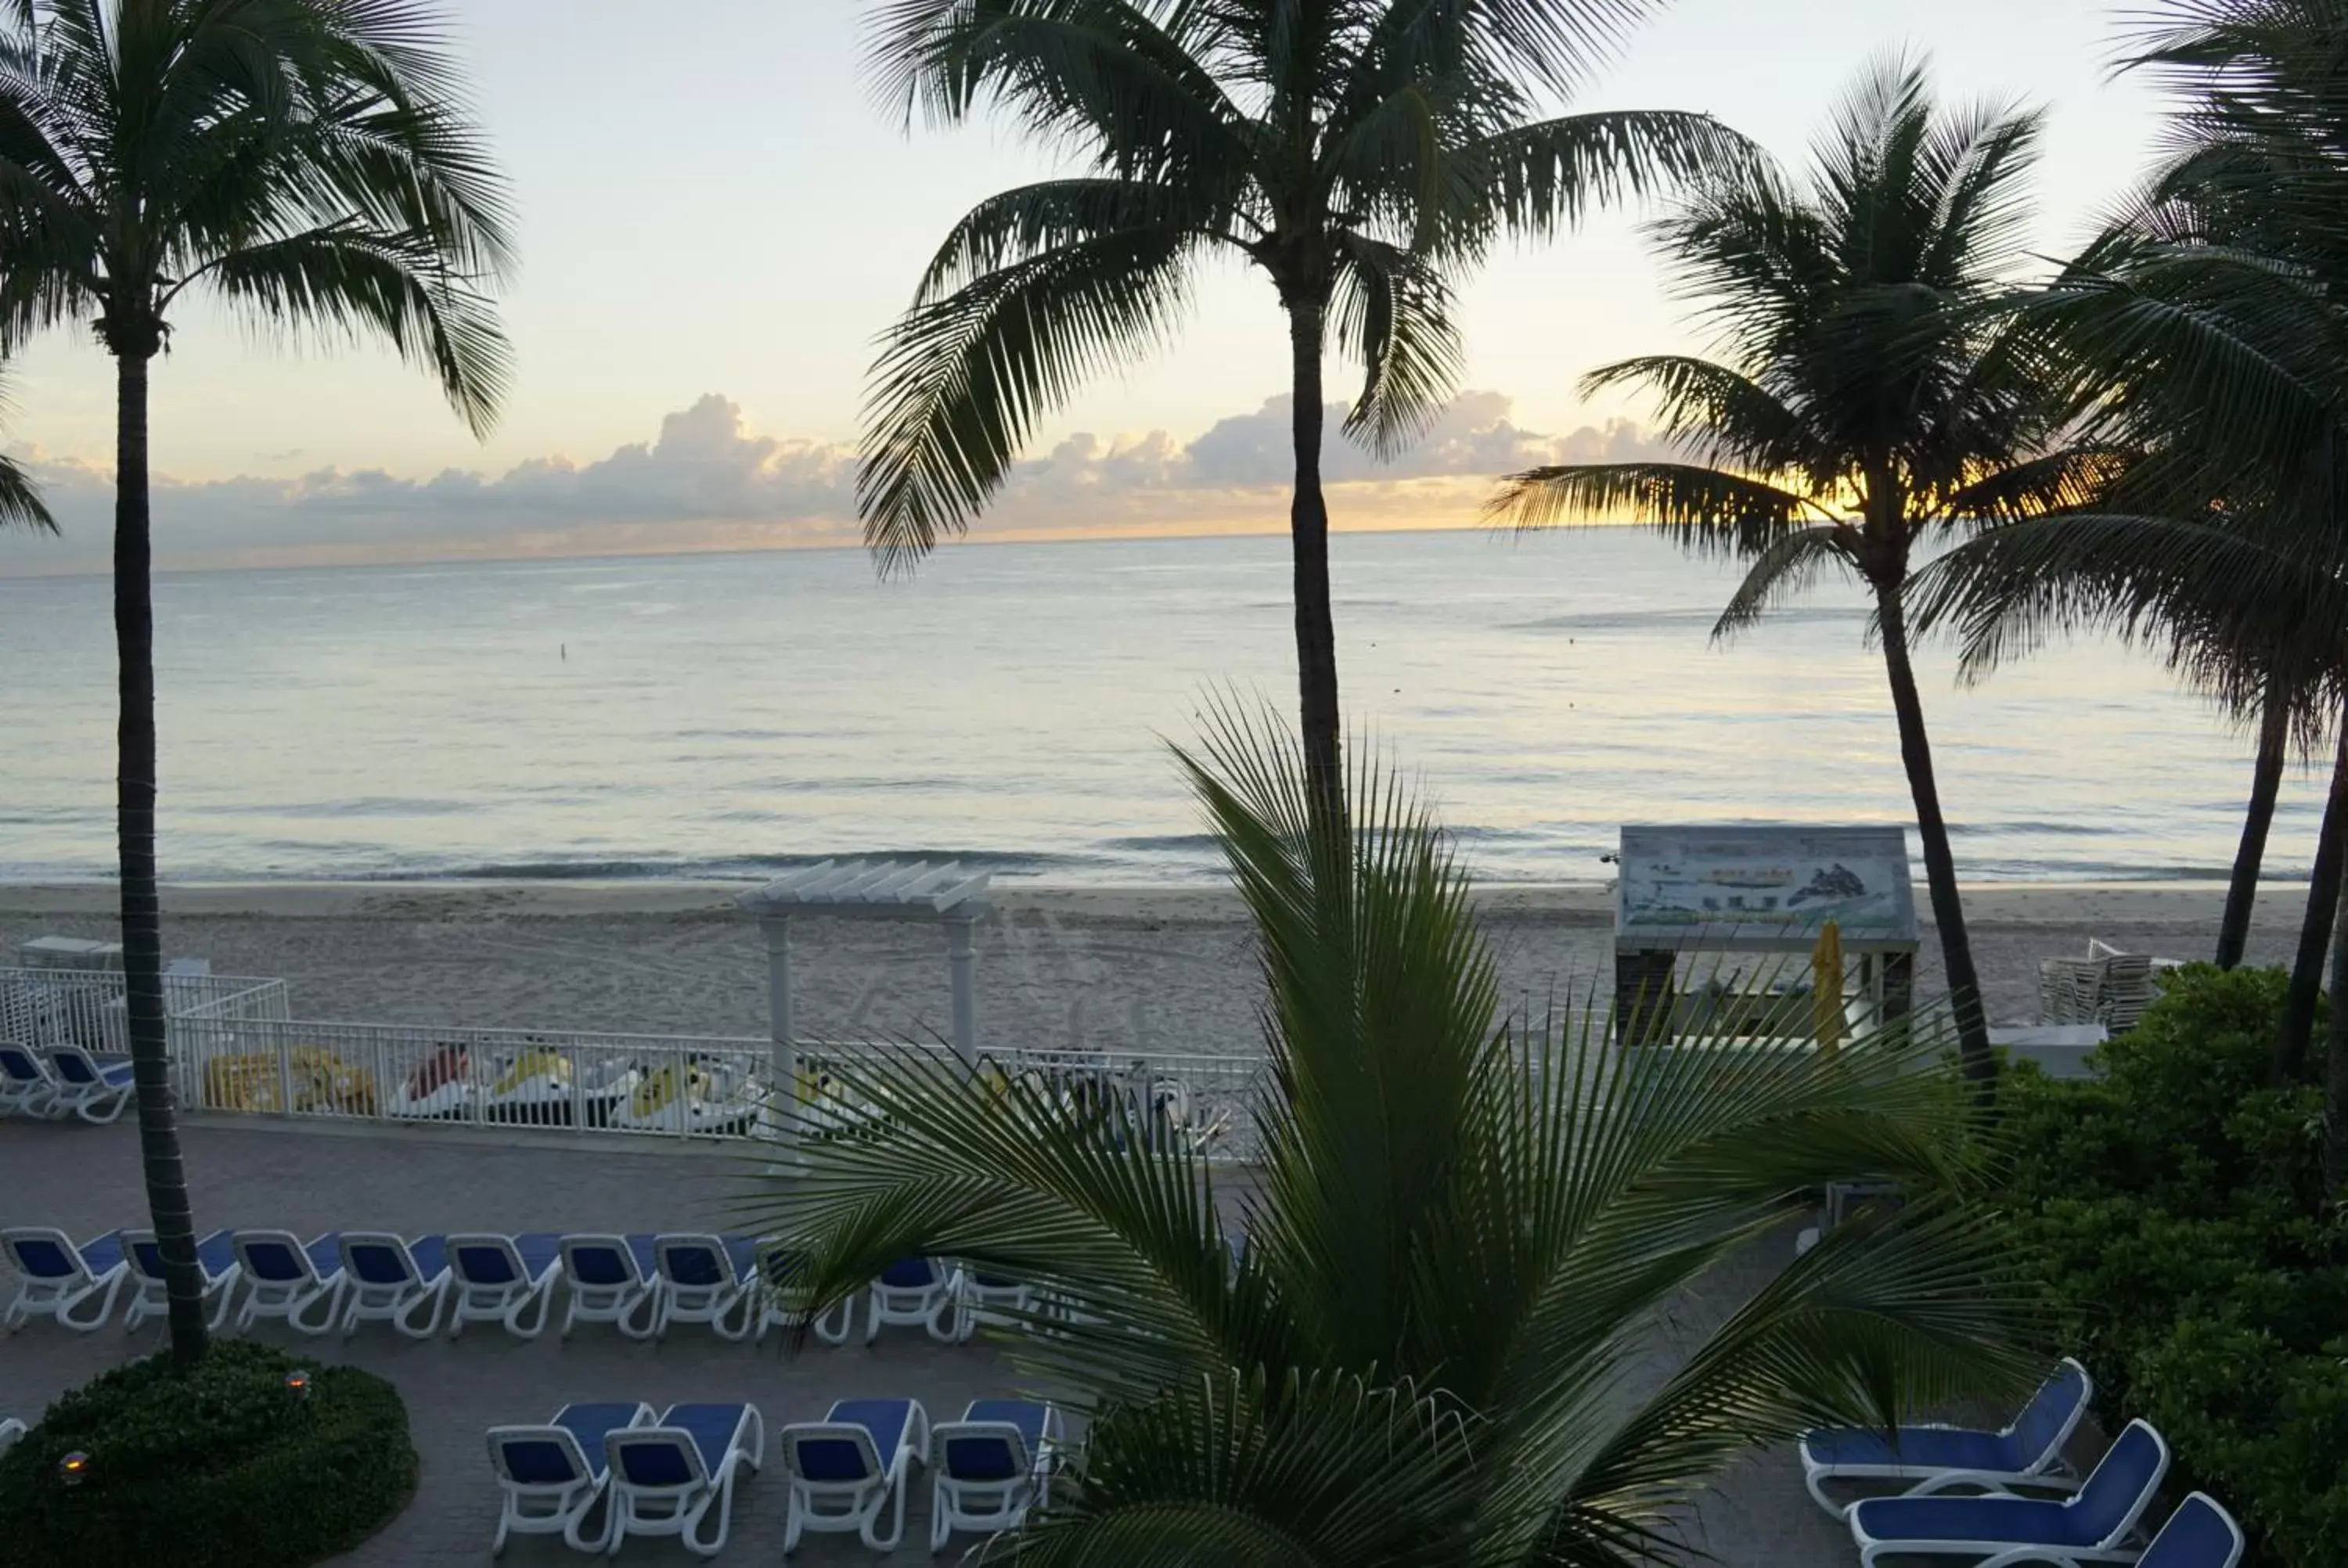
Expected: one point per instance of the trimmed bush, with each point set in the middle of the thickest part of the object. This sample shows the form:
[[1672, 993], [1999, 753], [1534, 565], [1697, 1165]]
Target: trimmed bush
[[223, 1465], [2178, 1202]]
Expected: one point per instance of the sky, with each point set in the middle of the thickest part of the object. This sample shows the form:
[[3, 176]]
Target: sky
[[716, 219]]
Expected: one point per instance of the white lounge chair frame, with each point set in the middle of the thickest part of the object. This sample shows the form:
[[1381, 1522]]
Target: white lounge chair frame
[[977, 1303], [681, 1510], [837, 1507], [93, 1100], [289, 1299], [536, 1509], [778, 1306], [395, 1303], [42, 1295], [2001, 1555], [2048, 1472], [618, 1304], [726, 1306], [990, 1505], [150, 1294], [930, 1308], [508, 1303], [34, 1096]]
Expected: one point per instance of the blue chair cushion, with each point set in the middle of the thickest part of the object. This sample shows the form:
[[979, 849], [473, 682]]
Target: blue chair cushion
[[982, 1459], [1927, 1448], [375, 1263], [117, 1074], [2014, 1520], [41, 1258], [742, 1253], [214, 1254], [102, 1252], [1028, 1415], [886, 1419], [541, 1462], [654, 1462], [538, 1251], [19, 1063], [2050, 1409], [833, 1460], [909, 1274], [712, 1428], [2196, 1536], [590, 1424], [697, 1266], [431, 1253]]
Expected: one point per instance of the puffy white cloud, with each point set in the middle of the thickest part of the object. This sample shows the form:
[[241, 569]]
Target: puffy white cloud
[[707, 483]]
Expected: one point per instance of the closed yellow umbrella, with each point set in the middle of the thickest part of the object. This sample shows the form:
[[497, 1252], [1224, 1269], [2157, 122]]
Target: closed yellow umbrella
[[1826, 987]]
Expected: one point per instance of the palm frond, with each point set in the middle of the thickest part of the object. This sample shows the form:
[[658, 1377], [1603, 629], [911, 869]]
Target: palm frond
[[1548, 175], [1705, 510], [1784, 568], [20, 499], [963, 381], [1394, 313]]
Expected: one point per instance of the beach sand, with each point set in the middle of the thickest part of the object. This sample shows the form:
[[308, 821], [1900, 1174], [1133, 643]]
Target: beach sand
[[1162, 970]]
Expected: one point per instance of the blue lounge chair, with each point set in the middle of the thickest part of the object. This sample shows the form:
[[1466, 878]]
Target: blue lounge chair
[[92, 1088], [848, 1468], [782, 1301], [610, 1280], [392, 1279], [2200, 1534], [27, 1087], [216, 1268], [2029, 1449], [499, 1279], [665, 1478], [11, 1432], [53, 1276], [915, 1292], [989, 1467], [993, 1300], [285, 1276], [2093, 1526], [553, 1475], [701, 1279]]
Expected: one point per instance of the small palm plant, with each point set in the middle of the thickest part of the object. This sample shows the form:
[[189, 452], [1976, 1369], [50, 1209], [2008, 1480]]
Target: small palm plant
[[1867, 406], [1361, 154], [307, 164], [1424, 1328]]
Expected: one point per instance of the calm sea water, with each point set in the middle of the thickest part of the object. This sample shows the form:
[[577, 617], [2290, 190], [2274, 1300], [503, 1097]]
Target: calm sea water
[[726, 715]]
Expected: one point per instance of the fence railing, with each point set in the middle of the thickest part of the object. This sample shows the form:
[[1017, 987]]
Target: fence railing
[[665, 1085], [45, 1008]]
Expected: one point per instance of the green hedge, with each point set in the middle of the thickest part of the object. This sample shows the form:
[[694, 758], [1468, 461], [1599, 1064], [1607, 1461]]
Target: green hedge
[[223, 1465], [2179, 1202]]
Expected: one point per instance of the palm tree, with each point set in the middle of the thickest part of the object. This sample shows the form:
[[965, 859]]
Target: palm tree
[[1360, 153], [310, 165], [2213, 328], [20, 498], [1866, 405], [1422, 1329]]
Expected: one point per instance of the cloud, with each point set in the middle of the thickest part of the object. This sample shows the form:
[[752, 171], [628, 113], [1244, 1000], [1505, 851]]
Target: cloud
[[707, 483]]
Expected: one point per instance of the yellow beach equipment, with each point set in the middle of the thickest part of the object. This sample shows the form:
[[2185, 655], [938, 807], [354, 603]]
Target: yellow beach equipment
[[1826, 987]]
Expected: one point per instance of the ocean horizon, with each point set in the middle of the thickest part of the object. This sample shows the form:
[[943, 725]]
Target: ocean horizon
[[728, 716]]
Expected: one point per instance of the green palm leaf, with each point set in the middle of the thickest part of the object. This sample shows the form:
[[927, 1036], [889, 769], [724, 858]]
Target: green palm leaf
[[1439, 1344]]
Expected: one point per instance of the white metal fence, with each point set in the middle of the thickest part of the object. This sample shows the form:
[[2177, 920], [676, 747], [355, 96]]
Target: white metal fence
[[44, 1008], [665, 1085]]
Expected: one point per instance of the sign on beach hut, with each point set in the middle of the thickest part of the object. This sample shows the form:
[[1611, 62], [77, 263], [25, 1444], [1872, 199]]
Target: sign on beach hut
[[1760, 888]]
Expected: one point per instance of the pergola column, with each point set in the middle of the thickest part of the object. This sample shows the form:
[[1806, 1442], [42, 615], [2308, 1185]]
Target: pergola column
[[782, 1056], [962, 965]]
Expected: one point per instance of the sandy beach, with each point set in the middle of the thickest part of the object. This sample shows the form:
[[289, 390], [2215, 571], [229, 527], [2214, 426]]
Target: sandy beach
[[1161, 968]]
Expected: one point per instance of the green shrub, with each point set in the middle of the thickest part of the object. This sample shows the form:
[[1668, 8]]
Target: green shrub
[[223, 1465], [2178, 1204]]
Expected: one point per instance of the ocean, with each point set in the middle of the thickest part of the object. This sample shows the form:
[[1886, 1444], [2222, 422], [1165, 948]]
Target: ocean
[[1012, 706]]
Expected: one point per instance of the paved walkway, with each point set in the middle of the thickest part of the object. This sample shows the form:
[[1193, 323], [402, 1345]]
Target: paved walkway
[[86, 1179]]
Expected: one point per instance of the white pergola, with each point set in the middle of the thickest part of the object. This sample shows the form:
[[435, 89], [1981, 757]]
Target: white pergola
[[871, 890]]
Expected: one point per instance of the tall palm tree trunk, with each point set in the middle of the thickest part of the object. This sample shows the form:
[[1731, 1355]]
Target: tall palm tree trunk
[[2335, 1062], [2297, 1031], [1308, 532], [2266, 785], [1939, 862], [142, 909]]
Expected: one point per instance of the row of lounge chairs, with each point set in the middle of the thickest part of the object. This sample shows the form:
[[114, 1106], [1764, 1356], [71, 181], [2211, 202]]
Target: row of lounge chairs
[[63, 1081], [673, 1473], [1968, 1495], [740, 1286]]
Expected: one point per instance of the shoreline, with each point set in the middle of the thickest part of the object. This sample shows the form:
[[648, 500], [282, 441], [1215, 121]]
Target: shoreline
[[1989, 903]]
